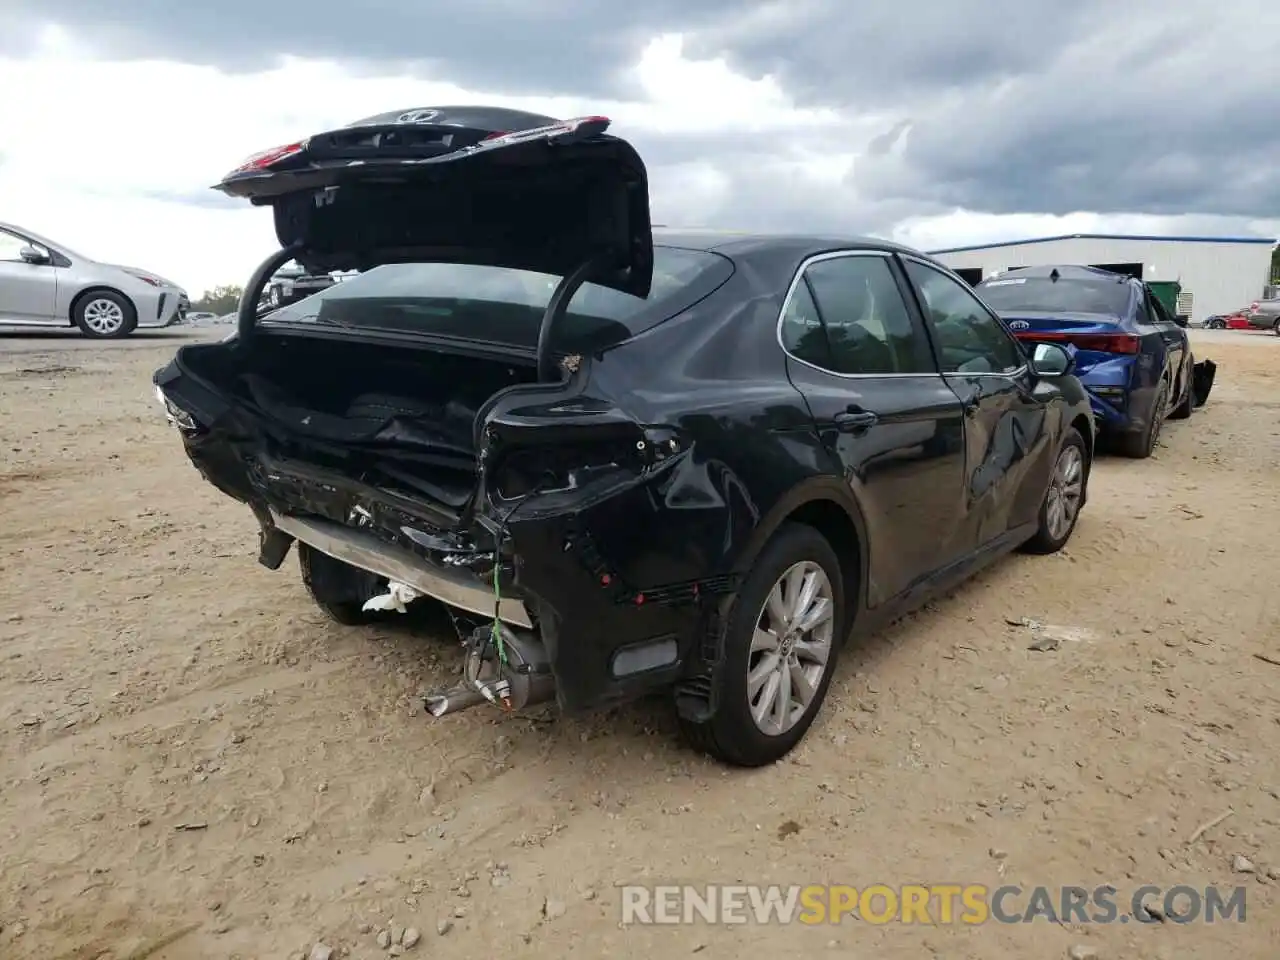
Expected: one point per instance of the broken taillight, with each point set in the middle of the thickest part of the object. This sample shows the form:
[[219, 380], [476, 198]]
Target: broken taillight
[[547, 469]]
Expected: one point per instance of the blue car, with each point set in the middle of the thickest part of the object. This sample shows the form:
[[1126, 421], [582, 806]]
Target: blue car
[[1133, 358]]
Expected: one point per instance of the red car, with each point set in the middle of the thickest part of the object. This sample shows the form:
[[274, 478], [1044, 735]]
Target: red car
[[1230, 321]]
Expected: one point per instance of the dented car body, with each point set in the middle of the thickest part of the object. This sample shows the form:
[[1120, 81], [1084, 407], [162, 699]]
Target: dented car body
[[627, 460]]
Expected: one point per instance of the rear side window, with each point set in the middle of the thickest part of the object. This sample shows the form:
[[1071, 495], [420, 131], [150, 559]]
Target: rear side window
[[802, 333], [847, 315], [504, 306], [1012, 295]]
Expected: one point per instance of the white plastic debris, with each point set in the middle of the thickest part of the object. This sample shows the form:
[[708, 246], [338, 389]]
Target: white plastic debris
[[397, 598]]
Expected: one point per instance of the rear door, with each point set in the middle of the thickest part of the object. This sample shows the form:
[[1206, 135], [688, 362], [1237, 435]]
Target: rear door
[[861, 359], [1007, 443]]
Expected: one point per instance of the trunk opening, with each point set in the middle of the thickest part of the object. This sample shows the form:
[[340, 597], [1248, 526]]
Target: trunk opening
[[398, 418]]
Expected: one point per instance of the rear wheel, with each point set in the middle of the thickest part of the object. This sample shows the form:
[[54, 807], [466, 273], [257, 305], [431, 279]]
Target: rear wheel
[[1275, 328], [1061, 507], [1142, 445], [338, 588], [781, 641], [104, 314], [1217, 325]]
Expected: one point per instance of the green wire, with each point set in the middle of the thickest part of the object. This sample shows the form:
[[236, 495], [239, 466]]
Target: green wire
[[495, 632]]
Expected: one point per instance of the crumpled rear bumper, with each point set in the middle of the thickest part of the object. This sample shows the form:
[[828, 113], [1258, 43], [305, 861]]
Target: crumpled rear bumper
[[567, 575], [449, 584]]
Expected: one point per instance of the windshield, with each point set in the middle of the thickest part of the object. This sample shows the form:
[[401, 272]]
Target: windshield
[[1042, 295], [504, 306]]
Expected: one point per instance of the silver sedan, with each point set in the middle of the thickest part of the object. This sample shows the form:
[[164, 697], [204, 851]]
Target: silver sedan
[[1264, 315], [43, 283]]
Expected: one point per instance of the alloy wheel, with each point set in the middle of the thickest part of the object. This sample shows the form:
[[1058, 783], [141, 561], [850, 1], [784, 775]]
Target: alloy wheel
[[790, 648], [1065, 490], [103, 316]]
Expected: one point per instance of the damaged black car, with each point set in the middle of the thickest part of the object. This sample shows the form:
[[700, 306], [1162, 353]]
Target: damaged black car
[[627, 460]]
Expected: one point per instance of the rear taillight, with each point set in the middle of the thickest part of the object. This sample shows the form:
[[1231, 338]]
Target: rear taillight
[[1095, 342], [268, 158]]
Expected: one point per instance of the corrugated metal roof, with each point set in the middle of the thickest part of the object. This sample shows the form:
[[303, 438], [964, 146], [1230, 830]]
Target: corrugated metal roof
[[1104, 236]]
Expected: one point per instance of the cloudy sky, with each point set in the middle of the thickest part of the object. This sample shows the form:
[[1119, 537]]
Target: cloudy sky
[[936, 122]]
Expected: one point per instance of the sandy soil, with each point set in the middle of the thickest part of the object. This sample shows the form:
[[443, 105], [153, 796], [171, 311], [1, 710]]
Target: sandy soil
[[194, 763]]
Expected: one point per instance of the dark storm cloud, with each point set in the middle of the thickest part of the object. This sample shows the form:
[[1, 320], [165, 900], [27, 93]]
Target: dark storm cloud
[[1169, 114], [1040, 106], [1033, 106], [503, 46], [880, 53]]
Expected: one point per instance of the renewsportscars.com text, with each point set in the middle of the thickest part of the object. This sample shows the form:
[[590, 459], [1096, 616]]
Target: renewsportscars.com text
[[928, 904]]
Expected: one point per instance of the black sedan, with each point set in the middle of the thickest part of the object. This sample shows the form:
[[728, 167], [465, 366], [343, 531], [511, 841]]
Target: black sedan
[[626, 460]]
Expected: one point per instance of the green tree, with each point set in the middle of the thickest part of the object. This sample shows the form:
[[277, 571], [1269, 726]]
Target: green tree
[[219, 300]]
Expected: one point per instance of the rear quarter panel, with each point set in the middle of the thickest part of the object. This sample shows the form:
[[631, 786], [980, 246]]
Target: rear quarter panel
[[717, 376]]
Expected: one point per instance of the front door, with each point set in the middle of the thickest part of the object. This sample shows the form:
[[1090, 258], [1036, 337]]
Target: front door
[[1008, 453], [28, 291], [884, 413]]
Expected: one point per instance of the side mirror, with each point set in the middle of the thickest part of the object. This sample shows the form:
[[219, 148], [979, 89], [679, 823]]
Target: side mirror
[[1051, 360], [1180, 321], [32, 254]]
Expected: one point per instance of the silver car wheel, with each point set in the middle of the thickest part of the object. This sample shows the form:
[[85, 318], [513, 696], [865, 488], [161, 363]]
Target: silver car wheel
[[103, 316], [1065, 489], [790, 648]]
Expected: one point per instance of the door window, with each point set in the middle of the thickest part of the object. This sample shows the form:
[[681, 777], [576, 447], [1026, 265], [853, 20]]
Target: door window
[[868, 328], [970, 339], [11, 246]]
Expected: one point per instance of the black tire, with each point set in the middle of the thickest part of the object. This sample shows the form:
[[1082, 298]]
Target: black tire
[[1046, 539], [104, 314], [1139, 446], [1275, 328], [1183, 410], [731, 734], [338, 588], [1217, 325]]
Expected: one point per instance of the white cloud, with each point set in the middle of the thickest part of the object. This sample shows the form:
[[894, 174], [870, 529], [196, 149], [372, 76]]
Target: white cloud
[[118, 174], [113, 158]]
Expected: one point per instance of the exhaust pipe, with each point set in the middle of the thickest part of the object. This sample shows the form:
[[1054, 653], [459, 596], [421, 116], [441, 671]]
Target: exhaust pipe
[[462, 697], [524, 680]]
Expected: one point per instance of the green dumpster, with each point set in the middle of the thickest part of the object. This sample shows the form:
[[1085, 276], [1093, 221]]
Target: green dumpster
[[1166, 291]]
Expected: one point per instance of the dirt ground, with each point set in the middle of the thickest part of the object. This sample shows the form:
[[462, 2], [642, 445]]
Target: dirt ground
[[194, 763]]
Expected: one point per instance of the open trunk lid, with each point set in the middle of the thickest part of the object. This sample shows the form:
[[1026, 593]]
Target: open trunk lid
[[462, 185]]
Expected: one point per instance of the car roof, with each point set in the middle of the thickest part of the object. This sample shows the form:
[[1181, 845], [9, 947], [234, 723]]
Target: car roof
[[1066, 271], [731, 243]]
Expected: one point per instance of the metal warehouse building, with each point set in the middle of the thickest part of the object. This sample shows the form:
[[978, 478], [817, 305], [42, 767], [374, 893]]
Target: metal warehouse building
[[1217, 274]]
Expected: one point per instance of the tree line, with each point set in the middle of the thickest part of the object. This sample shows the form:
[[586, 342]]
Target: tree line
[[218, 301]]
